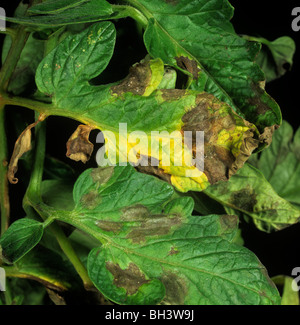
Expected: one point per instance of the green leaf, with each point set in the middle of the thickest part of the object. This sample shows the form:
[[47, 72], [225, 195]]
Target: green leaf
[[219, 61], [58, 194], [22, 79], [275, 57], [280, 163], [250, 194], [20, 238], [47, 267], [55, 6], [155, 251], [60, 13], [67, 69]]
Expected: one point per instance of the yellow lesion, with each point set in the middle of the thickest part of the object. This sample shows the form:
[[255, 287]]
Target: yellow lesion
[[157, 73], [167, 150]]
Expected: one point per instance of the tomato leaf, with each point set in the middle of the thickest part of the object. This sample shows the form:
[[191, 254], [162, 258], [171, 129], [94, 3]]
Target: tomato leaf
[[60, 13], [139, 103], [280, 163], [250, 194], [155, 251], [218, 61], [20, 238]]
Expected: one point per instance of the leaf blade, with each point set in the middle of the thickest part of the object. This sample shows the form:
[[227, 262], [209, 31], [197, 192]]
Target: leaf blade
[[20, 238]]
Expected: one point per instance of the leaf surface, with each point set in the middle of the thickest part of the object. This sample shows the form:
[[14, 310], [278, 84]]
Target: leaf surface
[[219, 61], [20, 238], [249, 193], [280, 163], [153, 250], [160, 124]]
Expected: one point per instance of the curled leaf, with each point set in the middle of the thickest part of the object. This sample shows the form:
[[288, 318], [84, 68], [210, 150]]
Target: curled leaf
[[79, 148], [22, 145]]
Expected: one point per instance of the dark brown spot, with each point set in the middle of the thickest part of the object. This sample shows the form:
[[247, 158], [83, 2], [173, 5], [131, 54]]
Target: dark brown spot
[[131, 279], [154, 225], [244, 199], [106, 225], [189, 65], [173, 251], [91, 200], [228, 222], [172, 94], [145, 224], [212, 116], [176, 289], [155, 171], [137, 80], [79, 148]]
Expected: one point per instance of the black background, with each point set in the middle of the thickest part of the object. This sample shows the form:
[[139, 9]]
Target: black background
[[279, 251]]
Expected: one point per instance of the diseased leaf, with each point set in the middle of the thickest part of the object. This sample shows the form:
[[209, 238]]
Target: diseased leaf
[[155, 251], [20, 238], [79, 148], [250, 194], [22, 145], [280, 163], [142, 124]]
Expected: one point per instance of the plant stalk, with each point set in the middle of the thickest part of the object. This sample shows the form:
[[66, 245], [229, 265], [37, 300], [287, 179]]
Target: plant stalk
[[33, 197], [4, 196]]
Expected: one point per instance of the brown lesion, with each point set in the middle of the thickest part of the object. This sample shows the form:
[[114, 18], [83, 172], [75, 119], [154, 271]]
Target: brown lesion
[[131, 278], [189, 65], [145, 224], [22, 145], [176, 288], [219, 162], [137, 80], [79, 148]]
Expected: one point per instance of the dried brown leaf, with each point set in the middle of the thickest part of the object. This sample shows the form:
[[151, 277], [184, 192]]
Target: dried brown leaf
[[22, 145], [79, 148]]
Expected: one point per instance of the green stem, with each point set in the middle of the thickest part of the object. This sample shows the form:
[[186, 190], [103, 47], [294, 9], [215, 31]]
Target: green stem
[[4, 196], [19, 38], [34, 199], [12, 57], [129, 11], [10, 31], [140, 8]]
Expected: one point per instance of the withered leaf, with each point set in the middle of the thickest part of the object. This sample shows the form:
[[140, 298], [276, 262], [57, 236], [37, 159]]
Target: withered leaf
[[189, 65], [79, 148], [22, 145]]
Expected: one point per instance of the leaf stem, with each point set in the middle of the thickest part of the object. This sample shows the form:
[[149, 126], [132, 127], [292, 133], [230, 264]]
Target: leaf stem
[[4, 196], [34, 199], [129, 11], [12, 57]]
